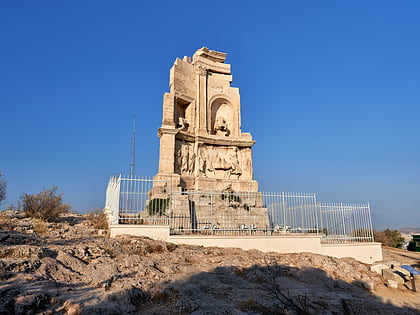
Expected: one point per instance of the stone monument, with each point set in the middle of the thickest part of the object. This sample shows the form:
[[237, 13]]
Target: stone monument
[[202, 147]]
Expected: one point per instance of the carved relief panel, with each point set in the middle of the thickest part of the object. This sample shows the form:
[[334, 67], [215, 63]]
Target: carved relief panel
[[184, 158], [223, 162]]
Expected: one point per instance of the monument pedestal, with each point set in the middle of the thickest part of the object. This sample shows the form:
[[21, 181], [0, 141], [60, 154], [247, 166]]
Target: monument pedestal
[[167, 179], [221, 185]]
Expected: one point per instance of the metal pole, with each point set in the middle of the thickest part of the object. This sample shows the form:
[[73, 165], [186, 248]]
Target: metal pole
[[413, 283]]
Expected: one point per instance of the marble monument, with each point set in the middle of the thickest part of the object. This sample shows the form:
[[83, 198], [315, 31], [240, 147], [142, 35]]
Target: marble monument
[[202, 147]]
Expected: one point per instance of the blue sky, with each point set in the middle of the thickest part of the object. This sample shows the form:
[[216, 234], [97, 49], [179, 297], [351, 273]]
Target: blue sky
[[329, 90]]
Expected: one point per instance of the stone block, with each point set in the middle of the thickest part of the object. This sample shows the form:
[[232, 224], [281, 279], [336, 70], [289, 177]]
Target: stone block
[[378, 268], [388, 274], [392, 284]]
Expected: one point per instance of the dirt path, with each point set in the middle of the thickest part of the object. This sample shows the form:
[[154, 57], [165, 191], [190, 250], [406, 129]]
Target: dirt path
[[402, 256], [403, 296]]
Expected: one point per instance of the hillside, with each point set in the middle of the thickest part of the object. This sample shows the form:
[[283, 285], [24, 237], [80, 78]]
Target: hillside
[[71, 268], [410, 231]]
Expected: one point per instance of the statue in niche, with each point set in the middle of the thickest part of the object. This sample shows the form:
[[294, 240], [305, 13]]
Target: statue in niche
[[221, 127], [182, 124]]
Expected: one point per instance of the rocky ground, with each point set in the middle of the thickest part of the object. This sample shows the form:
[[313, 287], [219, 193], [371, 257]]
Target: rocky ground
[[72, 268]]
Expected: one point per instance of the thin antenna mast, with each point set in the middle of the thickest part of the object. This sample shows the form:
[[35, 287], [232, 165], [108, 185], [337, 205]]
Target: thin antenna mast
[[133, 147]]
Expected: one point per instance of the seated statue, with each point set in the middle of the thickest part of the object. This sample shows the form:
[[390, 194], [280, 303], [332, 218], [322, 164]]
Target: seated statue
[[182, 124], [221, 127]]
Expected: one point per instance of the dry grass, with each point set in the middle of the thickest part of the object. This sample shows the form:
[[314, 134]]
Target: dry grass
[[98, 219], [40, 227], [5, 222]]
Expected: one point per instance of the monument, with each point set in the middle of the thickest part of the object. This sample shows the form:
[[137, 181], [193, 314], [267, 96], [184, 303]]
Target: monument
[[202, 147], [204, 192], [205, 174]]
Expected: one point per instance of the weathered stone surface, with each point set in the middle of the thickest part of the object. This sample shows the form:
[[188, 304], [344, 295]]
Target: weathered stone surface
[[378, 268], [389, 274], [203, 149], [72, 270], [201, 141]]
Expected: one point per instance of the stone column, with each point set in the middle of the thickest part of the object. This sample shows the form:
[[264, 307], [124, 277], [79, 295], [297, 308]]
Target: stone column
[[201, 97], [168, 115], [167, 149]]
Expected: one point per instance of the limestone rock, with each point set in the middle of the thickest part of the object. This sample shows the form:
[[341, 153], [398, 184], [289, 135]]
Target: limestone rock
[[389, 274], [72, 270]]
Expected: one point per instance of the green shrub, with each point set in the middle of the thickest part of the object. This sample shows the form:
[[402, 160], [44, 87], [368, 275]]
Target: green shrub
[[157, 206]]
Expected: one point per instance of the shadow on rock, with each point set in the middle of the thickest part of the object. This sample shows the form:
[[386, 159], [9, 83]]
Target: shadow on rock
[[271, 289]]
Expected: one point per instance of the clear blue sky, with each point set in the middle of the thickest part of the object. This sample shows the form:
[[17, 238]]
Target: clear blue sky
[[330, 91]]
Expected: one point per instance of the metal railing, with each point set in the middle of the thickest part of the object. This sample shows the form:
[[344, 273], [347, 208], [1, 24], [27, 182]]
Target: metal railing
[[137, 200], [345, 222]]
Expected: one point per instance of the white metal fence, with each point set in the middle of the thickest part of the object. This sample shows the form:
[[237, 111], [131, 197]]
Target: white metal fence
[[135, 200], [346, 222]]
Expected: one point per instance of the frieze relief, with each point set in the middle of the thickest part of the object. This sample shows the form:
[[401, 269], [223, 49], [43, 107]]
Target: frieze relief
[[220, 162]]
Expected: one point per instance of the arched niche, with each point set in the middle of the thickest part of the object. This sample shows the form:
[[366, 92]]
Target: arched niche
[[183, 117], [223, 120]]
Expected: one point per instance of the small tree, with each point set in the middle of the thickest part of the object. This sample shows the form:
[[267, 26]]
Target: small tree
[[3, 186], [391, 238], [46, 205]]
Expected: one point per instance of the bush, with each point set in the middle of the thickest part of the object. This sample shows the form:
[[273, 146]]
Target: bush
[[3, 186], [46, 205], [158, 206], [98, 218]]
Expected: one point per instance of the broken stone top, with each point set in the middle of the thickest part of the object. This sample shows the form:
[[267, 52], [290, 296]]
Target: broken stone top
[[212, 55]]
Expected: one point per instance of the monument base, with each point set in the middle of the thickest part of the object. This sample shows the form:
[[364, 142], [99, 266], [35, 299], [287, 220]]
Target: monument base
[[233, 185], [167, 180], [175, 181]]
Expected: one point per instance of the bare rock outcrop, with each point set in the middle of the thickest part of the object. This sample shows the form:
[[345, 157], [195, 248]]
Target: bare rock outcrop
[[69, 268]]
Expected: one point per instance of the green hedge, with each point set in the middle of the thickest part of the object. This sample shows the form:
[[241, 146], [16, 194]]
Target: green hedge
[[158, 206]]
